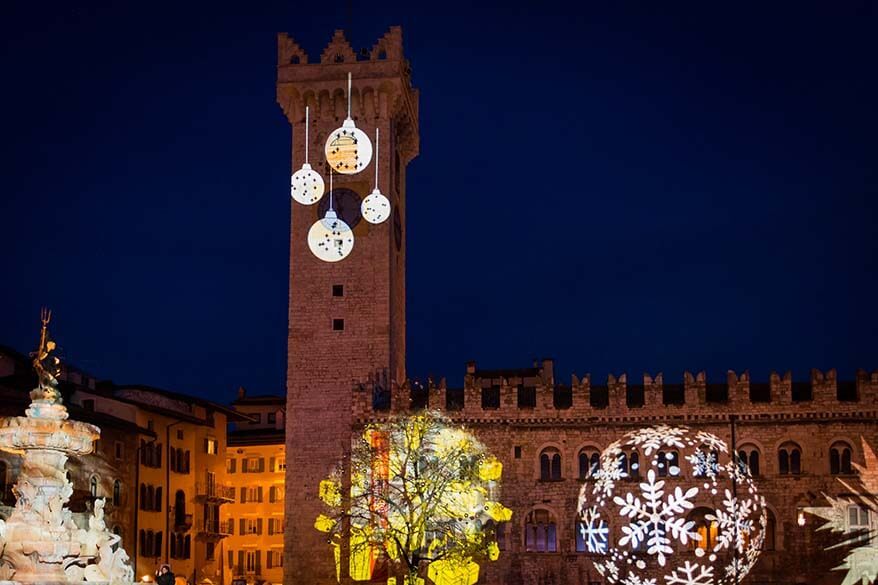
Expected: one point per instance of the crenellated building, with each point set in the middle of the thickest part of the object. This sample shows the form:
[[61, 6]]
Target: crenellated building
[[346, 364], [798, 439]]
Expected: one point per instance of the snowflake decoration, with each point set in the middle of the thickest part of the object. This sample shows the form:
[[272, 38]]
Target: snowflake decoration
[[861, 563], [656, 512], [704, 464], [594, 531], [691, 574], [654, 518]]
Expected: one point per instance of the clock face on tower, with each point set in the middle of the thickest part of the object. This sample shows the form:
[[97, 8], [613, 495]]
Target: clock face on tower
[[346, 204]]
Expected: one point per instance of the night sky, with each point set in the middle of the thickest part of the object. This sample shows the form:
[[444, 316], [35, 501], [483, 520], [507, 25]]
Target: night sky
[[620, 188]]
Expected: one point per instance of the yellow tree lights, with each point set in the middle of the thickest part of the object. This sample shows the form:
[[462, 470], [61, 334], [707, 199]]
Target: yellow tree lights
[[423, 503]]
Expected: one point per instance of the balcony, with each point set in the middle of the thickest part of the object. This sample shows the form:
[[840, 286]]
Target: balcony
[[213, 492], [214, 530]]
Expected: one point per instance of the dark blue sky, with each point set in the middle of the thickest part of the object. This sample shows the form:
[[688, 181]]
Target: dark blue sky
[[618, 187]]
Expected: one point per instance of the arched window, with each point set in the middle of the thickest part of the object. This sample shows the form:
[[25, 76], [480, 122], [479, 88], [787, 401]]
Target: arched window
[[668, 463], [589, 463], [179, 508], [117, 493], [789, 459], [623, 464], [840, 459], [706, 529], [748, 458], [540, 534], [593, 537], [550, 464], [634, 464], [769, 542], [93, 486]]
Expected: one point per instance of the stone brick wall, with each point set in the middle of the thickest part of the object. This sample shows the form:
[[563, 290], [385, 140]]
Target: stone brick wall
[[814, 425], [322, 362]]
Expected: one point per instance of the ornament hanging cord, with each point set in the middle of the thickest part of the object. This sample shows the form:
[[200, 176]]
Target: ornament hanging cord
[[330, 188], [349, 95], [306, 133], [377, 142]]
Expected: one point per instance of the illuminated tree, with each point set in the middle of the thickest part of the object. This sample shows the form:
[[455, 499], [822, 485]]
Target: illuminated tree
[[422, 502]]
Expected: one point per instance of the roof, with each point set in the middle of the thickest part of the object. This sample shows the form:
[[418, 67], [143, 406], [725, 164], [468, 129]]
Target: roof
[[261, 399], [245, 437], [229, 412]]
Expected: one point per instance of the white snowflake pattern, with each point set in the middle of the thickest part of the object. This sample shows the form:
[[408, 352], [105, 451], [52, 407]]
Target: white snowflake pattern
[[734, 523], [634, 579], [704, 464], [594, 531], [737, 569], [654, 518], [712, 442], [610, 471], [653, 438], [690, 574], [608, 569]]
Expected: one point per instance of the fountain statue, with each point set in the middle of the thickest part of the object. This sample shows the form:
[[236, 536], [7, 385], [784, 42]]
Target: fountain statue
[[39, 542]]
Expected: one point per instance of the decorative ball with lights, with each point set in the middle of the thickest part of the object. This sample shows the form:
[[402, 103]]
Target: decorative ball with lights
[[688, 513], [306, 184], [375, 207], [330, 238], [348, 149]]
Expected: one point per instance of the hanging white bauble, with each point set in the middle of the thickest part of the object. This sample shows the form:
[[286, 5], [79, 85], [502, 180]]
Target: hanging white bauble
[[375, 207], [687, 510], [330, 238], [348, 149], [306, 185]]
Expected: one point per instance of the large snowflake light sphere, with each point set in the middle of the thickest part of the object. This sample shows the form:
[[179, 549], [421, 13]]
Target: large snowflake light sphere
[[689, 513]]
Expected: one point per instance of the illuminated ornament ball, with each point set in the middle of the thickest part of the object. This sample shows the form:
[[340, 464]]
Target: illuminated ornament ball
[[375, 207], [306, 185], [330, 238], [348, 149], [677, 494]]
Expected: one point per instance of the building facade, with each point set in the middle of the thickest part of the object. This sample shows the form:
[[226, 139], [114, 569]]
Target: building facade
[[346, 364], [160, 465], [255, 467]]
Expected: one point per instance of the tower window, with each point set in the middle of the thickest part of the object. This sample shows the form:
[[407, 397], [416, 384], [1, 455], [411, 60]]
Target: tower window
[[338, 324], [338, 290], [518, 451]]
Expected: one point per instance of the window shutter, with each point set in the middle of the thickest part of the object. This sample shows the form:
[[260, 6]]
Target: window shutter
[[259, 559], [232, 465], [231, 526], [240, 570], [259, 494], [261, 464], [186, 460], [271, 493], [243, 495], [271, 466], [187, 547], [259, 526], [157, 551], [243, 527], [270, 532], [158, 455], [158, 499], [205, 445]]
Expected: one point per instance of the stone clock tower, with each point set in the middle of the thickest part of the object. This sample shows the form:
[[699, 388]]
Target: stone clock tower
[[346, 319]]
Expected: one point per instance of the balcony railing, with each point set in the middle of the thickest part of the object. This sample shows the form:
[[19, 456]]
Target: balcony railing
[[214, 529], [216, 492]]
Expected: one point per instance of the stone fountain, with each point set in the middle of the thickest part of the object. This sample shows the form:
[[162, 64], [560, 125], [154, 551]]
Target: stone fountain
[[39, 542]]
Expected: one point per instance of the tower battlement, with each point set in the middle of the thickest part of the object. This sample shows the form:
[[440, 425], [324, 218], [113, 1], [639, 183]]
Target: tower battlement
[[381, 85], [533, 394]]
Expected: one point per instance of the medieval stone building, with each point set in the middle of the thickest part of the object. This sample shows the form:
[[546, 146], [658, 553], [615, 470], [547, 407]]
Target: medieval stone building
[[346, 353]]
